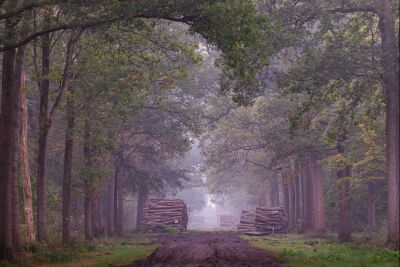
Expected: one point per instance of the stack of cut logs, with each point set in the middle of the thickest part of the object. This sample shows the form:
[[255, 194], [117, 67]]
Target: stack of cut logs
[[227, 220], [164, 213], [247, 222], [197, 221], [264, 221], [271, 220]]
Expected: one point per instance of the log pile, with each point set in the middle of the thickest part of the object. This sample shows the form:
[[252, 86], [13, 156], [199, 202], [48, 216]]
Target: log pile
[[164, 213], [271, 220], [227, 220], [197, 221], [264, 221], [247, 222]]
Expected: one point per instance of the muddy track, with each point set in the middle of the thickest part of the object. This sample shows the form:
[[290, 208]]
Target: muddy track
[[207, 249]]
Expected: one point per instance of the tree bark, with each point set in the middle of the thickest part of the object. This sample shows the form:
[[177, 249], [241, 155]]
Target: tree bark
[[292, 204], [116, 193], [88, 218], [67, 173], [87, 153], [16, 231], [263, 201], [97, 216], [143, 196], [319, 199], [307, 198], [120, 215], [298, 218], [111, 205], [24, 161], [8, 141], [344, 228], [371, 206], [390, 62], [285, 191], [274, 193], [43, 134]]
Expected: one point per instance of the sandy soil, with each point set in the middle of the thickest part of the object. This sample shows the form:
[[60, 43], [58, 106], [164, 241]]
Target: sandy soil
[[206, 249]]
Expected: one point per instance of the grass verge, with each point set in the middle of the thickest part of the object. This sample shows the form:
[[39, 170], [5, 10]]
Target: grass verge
[[105, 254], [297, 251]]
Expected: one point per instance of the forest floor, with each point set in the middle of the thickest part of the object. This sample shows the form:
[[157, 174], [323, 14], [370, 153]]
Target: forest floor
[[207, 249], [211, 249], [300, 251]]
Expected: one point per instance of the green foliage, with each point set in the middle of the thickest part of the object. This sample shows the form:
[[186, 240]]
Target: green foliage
[[300, 251], [122, 255], [53, 251]]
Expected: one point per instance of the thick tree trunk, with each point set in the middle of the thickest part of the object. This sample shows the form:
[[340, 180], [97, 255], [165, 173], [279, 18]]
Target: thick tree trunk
[[8, 139], [292, 204], [97, 216], [111, 205], [116, 193], [390, 62], [16, 232], [67, 173], [298, 218], [274, 193], [319, 200], [87, 154], [312, 193], [344, 227], [43, 134], [24, 161], [143, 196], [371, 206], [88, 218], [263, 201], [120, 210], [285, 192], [307, 198]]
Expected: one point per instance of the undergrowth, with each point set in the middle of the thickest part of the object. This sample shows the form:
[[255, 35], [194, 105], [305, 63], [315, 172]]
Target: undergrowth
[[299, 251], [101, 253]]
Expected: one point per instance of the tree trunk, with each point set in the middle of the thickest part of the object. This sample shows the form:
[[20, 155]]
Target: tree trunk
[[9, 139], [319, 200], [312, 193], [87, 154], [274, 193], [344, 229], [97, 216], [390, 62], [371, 206], [111, 205], [116, 194], [120, 214], [24, 161], [292, 204], [143, 196], [43, 134], [88, 218], [285, 191], [263, 201], [67, 173], [16, 232], [298, 218], [307, 198]]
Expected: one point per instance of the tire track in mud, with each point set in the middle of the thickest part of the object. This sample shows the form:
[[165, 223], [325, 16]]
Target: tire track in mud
[[207, 249]]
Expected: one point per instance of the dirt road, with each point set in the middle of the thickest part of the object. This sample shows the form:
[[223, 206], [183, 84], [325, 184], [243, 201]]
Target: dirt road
[[206, 249]]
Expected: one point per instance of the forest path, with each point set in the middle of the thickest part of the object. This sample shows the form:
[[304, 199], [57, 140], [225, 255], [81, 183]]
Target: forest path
[[207, 249]]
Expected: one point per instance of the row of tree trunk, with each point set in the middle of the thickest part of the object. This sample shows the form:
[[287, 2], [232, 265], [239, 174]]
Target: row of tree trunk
[[303, 196], [14, 148]]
